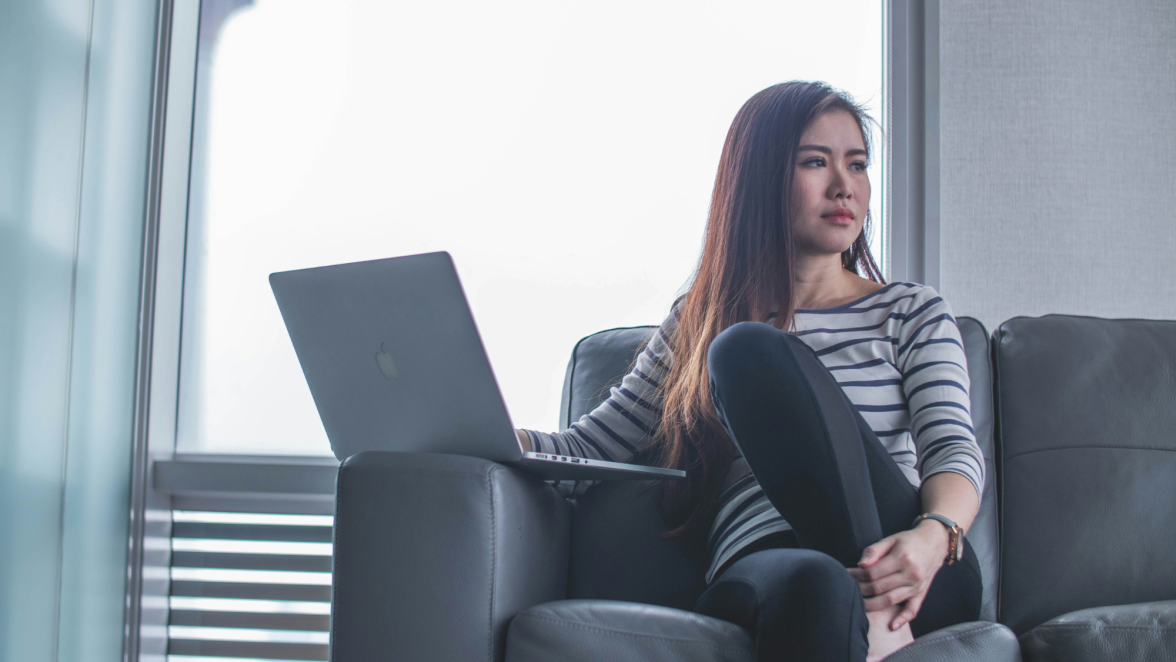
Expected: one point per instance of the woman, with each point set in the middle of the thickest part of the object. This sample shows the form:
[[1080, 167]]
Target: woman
[[817, 413]]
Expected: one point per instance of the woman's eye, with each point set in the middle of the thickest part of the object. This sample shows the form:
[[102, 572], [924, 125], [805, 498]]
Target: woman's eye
[[859, 165], [815, 162]]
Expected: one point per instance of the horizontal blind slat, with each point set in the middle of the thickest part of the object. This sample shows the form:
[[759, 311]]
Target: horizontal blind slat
[[300, 593], [203, 551], [285, 562], [300, 504], [220, 619], [180, 602], [247, 649], [251, 532]]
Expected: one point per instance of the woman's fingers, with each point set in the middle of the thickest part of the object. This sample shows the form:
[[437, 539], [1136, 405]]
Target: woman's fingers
[[902, 574], [888, 583], [888, 565], [876, 551], [889, 598], [908, 612]]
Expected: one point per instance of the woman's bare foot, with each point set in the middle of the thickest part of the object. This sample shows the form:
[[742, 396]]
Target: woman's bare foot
[[884, 641]]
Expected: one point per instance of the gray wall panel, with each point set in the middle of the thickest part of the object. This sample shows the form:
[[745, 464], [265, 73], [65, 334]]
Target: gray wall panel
[[1058, 157], [94, 517], [75, 91], [43, 50]]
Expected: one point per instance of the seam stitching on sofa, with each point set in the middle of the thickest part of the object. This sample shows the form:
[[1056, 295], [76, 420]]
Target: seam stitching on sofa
[[1080, 448], [493, 567], [998, 461], [958, 635], [1089, 317], [1099, 626], [624, 633]]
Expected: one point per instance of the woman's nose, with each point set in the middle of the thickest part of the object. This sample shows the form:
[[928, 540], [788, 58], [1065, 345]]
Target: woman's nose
[[839, 186]]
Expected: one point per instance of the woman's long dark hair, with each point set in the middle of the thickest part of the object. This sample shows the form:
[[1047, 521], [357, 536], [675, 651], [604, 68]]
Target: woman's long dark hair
[[745, 273]]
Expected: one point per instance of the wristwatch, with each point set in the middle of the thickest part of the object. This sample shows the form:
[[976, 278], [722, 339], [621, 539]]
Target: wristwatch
[[955, 544]]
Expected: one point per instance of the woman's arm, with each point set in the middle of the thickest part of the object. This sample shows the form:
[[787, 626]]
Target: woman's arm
[[935, 381], [951, 495], [899, 568], [525, 440], [624, 423], [930, 354]]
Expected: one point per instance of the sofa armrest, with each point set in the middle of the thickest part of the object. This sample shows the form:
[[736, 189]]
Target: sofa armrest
[[977, 641], [1144, 632], [435, 554]]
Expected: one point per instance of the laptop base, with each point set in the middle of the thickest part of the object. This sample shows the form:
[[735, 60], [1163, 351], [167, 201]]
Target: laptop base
[[562, 467]]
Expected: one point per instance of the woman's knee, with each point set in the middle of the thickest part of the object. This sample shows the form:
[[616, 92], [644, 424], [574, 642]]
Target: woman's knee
[[817, 574], [799, 603], [741, 347], [806, 575]]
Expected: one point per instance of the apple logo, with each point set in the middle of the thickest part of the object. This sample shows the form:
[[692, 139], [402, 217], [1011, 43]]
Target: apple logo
[[387, 367]]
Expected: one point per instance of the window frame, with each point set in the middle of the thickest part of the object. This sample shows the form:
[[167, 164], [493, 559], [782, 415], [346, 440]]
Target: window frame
[[910, 241], [910, 87]]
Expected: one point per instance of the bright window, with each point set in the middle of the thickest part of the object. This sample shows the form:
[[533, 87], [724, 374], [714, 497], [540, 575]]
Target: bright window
[[563, 153]]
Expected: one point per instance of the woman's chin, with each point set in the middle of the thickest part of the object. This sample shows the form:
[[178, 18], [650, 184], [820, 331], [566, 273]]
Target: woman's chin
[[829, 243], [827, 250]]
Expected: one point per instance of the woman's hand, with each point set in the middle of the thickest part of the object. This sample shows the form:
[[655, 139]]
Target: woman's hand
[[900, 568]]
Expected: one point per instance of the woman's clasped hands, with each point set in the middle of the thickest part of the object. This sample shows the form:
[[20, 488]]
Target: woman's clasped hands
[[899, 568]]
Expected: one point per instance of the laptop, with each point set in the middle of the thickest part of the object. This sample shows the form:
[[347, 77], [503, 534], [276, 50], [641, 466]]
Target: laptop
[[395, 363]]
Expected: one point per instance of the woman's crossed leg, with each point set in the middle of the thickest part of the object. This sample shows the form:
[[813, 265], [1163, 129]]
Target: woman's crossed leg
[[829, 476]]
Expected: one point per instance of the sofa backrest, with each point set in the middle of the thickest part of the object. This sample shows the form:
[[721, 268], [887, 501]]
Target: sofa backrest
[[598, 362], [983, 536], [616, 552], [1087, 432]]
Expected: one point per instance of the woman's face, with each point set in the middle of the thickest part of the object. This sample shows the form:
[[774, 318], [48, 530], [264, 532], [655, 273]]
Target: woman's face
[[830, 190]]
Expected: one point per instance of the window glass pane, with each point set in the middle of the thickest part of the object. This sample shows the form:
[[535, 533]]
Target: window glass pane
[[563, 153]]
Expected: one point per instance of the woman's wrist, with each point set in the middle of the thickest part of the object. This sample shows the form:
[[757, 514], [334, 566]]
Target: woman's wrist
[[936, 534]]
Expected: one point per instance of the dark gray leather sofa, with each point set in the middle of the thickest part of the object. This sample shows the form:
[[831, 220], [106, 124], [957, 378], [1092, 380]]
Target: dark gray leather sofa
[[443, 557]]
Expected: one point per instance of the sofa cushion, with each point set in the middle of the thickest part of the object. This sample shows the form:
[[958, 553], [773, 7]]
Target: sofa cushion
[[593, 630], [1141, 633], [1088, 464], [978, 641]]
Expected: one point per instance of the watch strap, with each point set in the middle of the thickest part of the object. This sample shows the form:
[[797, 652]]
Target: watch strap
[[955, 550], [937, 517]]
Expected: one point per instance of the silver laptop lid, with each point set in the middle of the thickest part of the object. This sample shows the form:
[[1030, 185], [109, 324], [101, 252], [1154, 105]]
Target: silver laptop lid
[[393, 359]]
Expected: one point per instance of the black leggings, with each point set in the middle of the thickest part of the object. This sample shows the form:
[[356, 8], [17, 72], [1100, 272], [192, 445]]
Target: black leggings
[[827, 474]]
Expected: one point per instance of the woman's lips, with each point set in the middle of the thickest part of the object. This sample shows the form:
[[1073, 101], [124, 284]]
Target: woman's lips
[[841, 216]]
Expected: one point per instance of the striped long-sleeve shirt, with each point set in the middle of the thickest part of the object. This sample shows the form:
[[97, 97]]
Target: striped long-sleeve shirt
[[897, 354]]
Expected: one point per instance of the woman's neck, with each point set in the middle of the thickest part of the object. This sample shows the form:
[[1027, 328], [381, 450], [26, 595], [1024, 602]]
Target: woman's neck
[[821, 282]]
